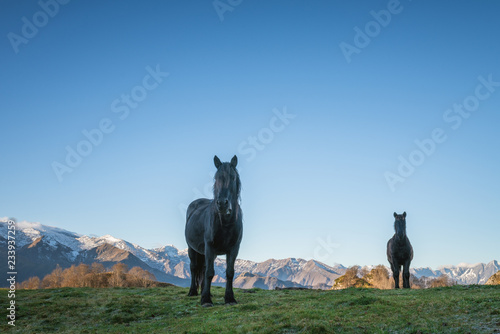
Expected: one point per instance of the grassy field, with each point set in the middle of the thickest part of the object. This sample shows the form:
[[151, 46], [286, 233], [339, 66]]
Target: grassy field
[[458, 309]]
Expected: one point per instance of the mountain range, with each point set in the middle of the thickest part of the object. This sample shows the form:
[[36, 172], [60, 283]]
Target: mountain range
[[40, 248]]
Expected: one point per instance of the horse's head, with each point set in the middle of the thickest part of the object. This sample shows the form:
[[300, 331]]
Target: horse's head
[[227, 186], [400, 225]]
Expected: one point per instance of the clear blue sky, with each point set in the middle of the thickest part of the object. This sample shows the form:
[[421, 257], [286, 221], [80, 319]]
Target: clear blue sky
[[318, 177]]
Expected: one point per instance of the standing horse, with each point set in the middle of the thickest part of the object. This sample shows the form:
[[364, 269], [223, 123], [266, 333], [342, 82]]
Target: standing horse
[[400, 251], [214, 227]]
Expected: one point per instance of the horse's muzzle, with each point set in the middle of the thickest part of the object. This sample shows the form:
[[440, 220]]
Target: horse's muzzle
[[224, 207]]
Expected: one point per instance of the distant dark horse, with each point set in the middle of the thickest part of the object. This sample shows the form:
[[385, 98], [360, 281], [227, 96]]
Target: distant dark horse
[[400, 252], [214, 227]]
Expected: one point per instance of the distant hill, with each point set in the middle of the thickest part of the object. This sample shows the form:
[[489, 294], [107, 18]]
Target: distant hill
[[494, 280], [249, 281], [40, 248]]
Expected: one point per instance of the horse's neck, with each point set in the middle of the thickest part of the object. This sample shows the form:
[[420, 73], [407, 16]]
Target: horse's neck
[[398, 240], [219, 222]]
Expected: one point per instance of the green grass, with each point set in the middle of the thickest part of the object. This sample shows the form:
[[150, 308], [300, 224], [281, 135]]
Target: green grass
[[458, 309]]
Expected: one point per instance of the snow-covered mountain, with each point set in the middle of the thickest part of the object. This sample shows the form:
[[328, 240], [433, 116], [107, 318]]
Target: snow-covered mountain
[[301, 272], [249, 281], [462, 273], [44, 246]]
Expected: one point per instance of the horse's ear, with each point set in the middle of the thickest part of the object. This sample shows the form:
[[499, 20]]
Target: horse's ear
[[217, 162], [395, 214], [234, 161], [404, 214]]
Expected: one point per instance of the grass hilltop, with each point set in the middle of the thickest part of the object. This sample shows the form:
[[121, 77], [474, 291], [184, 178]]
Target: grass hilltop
[[457, 309]]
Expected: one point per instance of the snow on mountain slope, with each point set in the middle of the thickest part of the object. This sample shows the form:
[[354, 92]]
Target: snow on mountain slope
[[249, 281], [299, 271], [27, 233], [150, 257], [462, 273], [33, 231]]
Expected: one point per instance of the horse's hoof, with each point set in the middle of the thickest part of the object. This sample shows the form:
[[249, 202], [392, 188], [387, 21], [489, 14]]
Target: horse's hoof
[[207, 305], [192, 294], [230, 301]]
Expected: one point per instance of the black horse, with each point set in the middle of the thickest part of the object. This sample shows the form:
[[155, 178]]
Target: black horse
[[400, 251], [214, 227]]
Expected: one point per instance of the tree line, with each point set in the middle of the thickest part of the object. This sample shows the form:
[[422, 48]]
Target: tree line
[[93, 276], [379, 278]]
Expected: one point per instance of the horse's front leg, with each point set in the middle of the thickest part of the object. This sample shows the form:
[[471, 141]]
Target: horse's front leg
[[406, 275], [229, 296], [395, 275], [206, 300]]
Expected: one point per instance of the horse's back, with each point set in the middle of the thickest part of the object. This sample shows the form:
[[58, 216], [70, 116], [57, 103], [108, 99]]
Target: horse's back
[[196, 207], [197, 213], [411, 250], [389, 250]]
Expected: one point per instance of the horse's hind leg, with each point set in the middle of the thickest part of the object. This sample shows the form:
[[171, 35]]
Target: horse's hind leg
[[406, 275], [197, 268]]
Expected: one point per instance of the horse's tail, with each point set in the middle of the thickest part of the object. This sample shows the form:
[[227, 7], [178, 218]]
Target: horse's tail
[[199, 274], [197, 268]]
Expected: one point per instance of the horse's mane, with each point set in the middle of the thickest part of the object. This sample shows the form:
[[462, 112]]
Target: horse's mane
[[227, 169]]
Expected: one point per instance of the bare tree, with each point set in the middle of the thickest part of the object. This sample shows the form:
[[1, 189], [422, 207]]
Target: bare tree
[[96, 277], [31, 283], [140, 277], [70, 277], [350, 279], [97, 268], [118, 277], [350, 275], [74, 276], [363, 271], [120, 268], [54, 279], [419, 283], [442, 281], [379, 277], [82, 270]]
